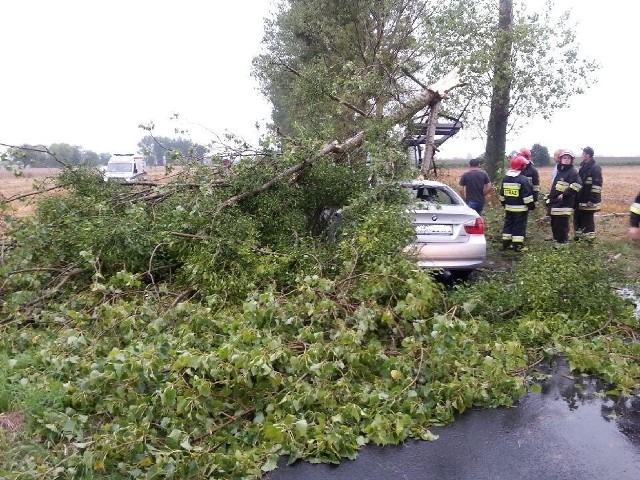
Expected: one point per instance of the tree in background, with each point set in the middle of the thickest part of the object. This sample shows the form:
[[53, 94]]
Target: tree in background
[[165, 150], [53, 156], [27, 155], [543, 44], [501, 88], [540, 155]]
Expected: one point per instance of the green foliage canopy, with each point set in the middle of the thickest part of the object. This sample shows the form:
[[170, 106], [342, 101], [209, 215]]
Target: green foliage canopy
[[361, 53]]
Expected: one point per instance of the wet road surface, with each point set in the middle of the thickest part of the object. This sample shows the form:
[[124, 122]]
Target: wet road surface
[[569, 431]]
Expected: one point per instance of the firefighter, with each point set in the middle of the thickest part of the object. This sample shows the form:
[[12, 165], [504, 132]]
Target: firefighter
[[589, 196], [531, 173], [634, 219], [562, 197], [516, 196]]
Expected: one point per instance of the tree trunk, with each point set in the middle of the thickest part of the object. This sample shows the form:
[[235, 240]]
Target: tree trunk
[[428, 164], [502, 78]]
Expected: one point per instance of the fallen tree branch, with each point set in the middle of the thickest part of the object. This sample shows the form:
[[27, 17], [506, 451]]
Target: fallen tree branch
[[526, 368], [30, 194], [56, 288]]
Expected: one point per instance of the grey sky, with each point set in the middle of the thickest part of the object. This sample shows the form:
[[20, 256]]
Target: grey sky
[[88, 73]]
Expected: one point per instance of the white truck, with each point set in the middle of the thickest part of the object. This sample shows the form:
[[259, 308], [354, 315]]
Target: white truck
[[126, 168]]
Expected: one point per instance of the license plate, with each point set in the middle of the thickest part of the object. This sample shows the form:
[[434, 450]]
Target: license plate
[[434, 229]]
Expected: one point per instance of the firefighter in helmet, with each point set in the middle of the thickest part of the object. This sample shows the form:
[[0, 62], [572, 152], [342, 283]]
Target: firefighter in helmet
[[562, 197], [589, 196], [634, 219], [531, 173], [516, 196]]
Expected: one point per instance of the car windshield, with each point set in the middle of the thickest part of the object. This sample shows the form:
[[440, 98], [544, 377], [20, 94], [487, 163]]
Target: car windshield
[[433, 194], [120, 167]]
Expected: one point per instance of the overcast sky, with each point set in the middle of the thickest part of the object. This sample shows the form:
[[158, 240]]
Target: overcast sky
[[89, 73]]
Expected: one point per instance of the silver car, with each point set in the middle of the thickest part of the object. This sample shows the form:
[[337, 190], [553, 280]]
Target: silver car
[[449, 234]]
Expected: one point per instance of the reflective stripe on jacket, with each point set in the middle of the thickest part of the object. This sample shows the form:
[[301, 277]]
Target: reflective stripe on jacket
[[567, 183], [589, 197], [516, 194]]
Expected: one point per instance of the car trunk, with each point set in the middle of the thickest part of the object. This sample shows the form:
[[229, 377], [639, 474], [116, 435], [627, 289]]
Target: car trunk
[[434, 225]]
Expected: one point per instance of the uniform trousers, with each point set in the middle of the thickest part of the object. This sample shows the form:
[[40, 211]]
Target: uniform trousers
[[515, 227], [560, 228], [584, 223]]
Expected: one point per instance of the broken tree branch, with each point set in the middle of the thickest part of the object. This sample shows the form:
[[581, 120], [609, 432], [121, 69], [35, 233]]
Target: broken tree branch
[[427, 98], [37, 192]]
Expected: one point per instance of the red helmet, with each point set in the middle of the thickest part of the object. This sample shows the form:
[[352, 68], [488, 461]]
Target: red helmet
[[518, 163], [526, 153]]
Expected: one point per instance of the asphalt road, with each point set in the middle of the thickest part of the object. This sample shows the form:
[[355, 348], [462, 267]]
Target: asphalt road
[[569, 431]]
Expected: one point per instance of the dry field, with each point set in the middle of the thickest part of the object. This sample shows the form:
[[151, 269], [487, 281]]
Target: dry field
[[16, 191], [621, 184]]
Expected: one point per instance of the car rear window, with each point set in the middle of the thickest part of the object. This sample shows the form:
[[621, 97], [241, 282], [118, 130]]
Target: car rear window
[[436, 195]]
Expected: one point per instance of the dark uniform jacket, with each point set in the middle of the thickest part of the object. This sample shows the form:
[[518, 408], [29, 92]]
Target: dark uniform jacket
[[533, 176], [516, 194], [634, 214], [567, 183], [589, 197]]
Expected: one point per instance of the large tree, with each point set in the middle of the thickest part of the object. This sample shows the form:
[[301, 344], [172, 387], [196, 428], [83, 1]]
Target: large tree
[[328, 63], [515, 70]]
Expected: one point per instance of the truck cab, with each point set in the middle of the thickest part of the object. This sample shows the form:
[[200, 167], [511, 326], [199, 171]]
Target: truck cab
[[126, 168]]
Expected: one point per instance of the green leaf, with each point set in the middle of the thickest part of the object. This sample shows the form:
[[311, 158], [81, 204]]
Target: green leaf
[[271, 463]]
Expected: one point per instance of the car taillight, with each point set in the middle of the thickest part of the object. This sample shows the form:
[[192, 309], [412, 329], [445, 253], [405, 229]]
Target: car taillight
[[475, 228]]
